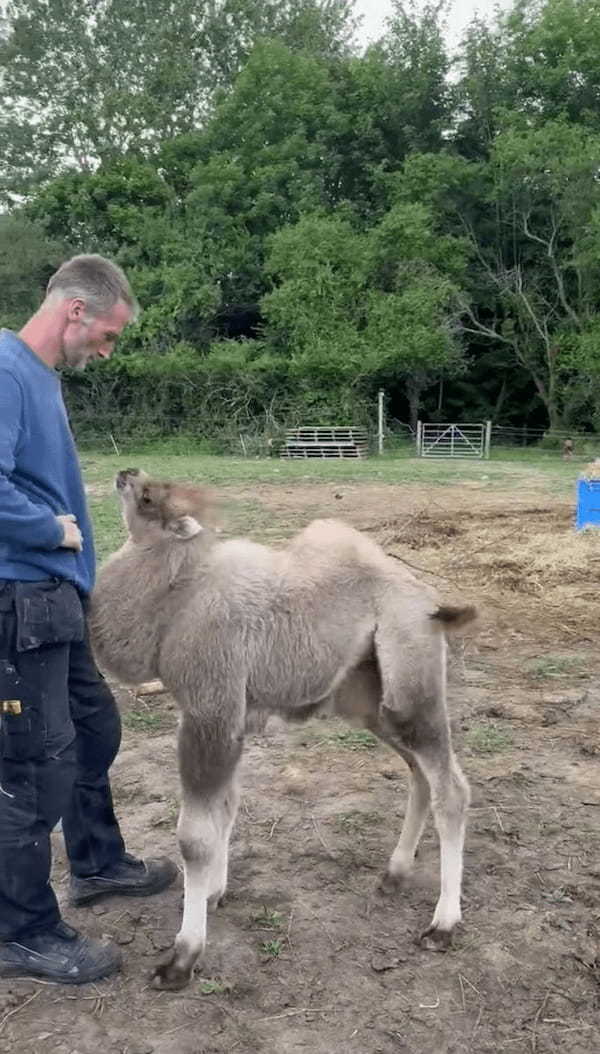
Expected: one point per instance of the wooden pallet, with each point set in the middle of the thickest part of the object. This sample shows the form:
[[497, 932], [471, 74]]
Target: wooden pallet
[[325, 443], [330, 450]]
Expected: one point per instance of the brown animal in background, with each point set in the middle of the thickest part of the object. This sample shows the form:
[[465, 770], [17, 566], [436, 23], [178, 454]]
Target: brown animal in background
[[233, 628]]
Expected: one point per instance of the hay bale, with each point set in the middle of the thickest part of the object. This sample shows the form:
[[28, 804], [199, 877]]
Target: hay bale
[[591, 471]]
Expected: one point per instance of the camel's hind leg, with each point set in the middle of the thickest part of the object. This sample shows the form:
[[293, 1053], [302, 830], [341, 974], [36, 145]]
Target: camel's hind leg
[[417, 809], [413, 719], [359, 697]]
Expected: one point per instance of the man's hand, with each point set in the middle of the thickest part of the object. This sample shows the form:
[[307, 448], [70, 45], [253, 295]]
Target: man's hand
[[71, 534]]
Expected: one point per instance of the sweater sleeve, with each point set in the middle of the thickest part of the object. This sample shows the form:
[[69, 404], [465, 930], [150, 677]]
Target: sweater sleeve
[[31, 526]]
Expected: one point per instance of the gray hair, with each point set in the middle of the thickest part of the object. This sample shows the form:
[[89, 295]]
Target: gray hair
[[94, 279]]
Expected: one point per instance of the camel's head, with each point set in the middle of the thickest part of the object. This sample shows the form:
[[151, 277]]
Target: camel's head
[[154, 508]]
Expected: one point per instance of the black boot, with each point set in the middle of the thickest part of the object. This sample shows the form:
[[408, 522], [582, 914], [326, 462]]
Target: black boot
[[128, 878], [60, 955]]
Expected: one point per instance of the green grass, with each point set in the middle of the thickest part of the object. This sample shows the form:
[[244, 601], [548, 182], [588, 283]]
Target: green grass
[[268, 919], [488, 739], [271, 949], [223, 471], [351, 739], [108, 526], [546, 477], [550, 667], [144, 720], [210, 987]]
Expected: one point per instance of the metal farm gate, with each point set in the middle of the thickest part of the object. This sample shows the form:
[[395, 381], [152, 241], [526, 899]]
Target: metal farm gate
[[452, 441]]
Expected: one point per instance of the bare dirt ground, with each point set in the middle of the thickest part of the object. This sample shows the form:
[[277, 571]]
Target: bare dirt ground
[[304, 956]]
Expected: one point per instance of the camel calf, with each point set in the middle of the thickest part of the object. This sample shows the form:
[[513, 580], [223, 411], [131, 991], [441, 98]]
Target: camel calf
[[233, 628]]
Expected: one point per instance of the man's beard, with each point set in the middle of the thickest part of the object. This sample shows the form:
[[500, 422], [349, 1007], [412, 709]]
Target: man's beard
[[78, 355], [76, 358]]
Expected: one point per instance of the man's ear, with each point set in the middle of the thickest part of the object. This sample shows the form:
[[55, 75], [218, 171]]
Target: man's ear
[[76, 309], [185, 527]]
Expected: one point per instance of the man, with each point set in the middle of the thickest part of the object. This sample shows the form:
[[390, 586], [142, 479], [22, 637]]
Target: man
[[59, 724]]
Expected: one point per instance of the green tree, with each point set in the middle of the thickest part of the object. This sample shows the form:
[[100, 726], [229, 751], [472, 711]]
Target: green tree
[[482, 92], [260, 164], [540, 58], [352, 310], [390, 102], [530, 216], [417, 56], [85, 81], [414, 309], [28, 257], [552, 59], [315, 312], [542, 265]]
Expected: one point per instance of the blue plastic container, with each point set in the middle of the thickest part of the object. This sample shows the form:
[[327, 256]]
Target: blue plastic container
[[588, 503]]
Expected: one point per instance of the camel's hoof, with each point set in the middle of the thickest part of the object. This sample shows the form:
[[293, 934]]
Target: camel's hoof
[[168, 976], [435, 940]]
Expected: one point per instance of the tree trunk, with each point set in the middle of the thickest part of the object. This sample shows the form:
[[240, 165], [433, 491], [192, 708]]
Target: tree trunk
[[413, 390], [499, 402], [548, 396], [555, 418]]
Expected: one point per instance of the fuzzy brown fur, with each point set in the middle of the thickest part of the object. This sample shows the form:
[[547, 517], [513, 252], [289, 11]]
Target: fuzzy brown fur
[[233, 628]]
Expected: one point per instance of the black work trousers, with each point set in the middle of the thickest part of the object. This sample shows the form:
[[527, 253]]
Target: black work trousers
[[60, 731]]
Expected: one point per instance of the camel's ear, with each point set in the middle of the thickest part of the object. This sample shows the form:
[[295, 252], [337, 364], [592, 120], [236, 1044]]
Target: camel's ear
[[185, 527]]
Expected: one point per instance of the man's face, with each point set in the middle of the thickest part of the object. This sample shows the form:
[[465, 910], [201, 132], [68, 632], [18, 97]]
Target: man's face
[[87, 337]]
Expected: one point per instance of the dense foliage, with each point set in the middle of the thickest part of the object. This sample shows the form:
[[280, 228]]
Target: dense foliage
[[305, 222]]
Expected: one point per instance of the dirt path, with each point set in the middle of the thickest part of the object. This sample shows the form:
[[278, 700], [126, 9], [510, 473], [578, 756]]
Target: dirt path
[[305, 956]]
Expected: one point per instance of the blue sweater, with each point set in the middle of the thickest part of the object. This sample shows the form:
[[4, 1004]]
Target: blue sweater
[[40, 477]]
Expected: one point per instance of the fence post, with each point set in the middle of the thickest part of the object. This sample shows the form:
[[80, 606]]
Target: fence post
[[488, 438], [380, 421], [419, 438]]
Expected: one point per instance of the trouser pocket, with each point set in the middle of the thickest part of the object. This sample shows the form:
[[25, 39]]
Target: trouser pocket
[[38, 620], [21, 721], [48, 612]]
